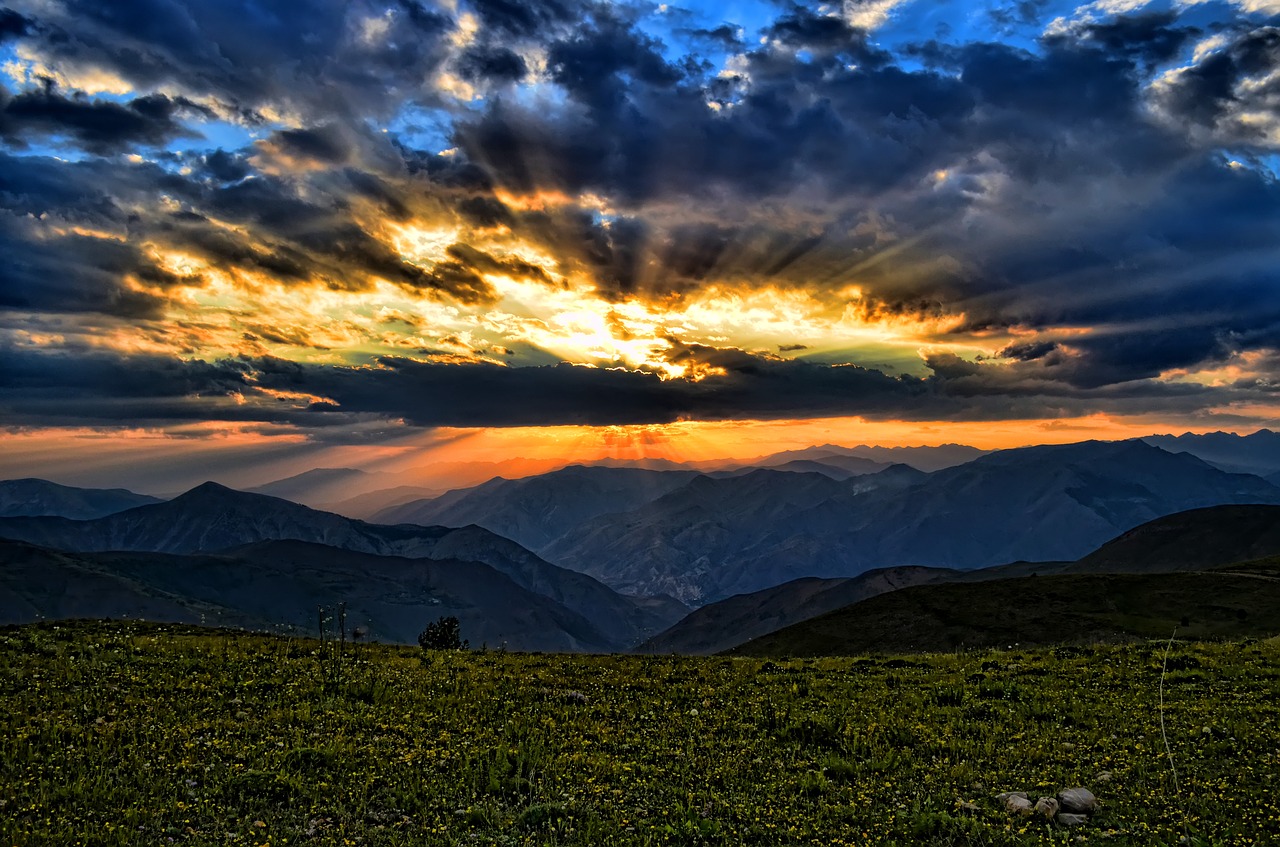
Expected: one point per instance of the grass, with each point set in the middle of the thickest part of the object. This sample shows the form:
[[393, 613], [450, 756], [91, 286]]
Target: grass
[[120, 734]]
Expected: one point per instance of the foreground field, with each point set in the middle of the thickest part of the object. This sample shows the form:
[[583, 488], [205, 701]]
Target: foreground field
[[139, 734]]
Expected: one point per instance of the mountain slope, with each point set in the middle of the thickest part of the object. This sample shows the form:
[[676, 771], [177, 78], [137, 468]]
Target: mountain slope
[[365, 506], [536, 510], [211, 517], [34, 497], [688, 543], [1036, 611], [714, 538], [280, 583], [730, 622], [1192, 540], [727, 623]]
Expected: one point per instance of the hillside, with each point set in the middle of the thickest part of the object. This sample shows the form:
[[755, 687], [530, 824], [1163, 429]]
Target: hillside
[[727, 623], [278, 584], [1036, 611], [734, 620], [1191, 540]]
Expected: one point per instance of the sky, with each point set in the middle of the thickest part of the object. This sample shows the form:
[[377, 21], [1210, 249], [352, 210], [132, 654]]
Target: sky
[[242, 238]]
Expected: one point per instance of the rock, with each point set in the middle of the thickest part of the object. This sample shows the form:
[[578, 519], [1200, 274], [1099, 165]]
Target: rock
[[1046, 807], [1078, 801], [1104, 777], [1068, 746], [967, 808], [1068, 819], [1015, 802]]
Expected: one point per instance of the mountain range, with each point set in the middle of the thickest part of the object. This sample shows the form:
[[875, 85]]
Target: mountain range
[[604, 558], [212, 518], [1197, 540], [713, 538], [536, 510]]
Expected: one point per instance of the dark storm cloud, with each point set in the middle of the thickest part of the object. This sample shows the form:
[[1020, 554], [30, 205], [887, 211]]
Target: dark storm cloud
[[498, 64], [249, 56], [226, 167], [12, 24], [96, 387], [73, 273], [324, 144], [292, 237], [99, 126], [524, 17], [106, 375], [727, 36], [1229, 82], [1153, 37], [1022, 13]]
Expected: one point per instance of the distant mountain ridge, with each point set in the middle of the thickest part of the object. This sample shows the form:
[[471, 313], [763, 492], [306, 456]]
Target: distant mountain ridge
[[714, 538], [38, 497], [1256, 453], [927, 459], [212, 518], [536, 510]]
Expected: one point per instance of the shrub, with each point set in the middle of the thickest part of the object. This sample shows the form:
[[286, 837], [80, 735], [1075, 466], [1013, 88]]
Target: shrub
[[442, 634]]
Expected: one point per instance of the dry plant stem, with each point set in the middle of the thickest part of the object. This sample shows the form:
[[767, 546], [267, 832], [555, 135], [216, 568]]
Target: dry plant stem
[[1186, 834]]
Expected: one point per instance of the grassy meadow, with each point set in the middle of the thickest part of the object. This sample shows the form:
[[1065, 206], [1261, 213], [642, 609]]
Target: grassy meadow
[[128, 733]]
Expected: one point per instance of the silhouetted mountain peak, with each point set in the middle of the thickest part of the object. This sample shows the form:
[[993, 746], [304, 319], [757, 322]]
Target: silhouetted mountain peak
[[215, 493], [208, 489]]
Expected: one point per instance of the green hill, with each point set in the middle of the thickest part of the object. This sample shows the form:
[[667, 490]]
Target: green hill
[[1038, 611], [1193, 540]]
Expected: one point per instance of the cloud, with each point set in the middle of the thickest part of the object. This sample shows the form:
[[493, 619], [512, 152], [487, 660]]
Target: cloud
[[313, 62], [13, 25], [100, 388], [99, 126], [1088, 217], [497, 64]]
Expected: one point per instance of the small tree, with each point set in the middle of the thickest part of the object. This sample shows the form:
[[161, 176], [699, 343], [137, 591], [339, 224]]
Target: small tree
[[443, 634]]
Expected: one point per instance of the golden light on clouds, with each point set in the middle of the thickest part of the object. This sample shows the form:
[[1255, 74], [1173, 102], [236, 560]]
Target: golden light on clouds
[[534, 314], [422, 244]]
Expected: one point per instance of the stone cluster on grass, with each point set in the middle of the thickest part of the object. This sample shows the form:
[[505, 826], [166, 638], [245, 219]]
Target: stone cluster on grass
[[1070, 807]]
